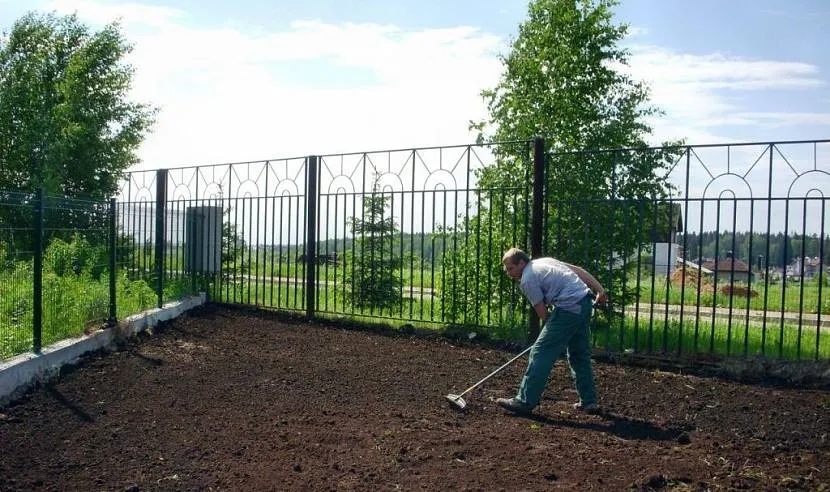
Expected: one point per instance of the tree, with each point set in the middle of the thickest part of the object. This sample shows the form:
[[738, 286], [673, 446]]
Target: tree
[[374, 280], [66, 123], [233, 249], [65, 119], [564, 79]]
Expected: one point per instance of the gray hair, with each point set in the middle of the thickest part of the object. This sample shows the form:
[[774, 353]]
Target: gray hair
[[515, 255]]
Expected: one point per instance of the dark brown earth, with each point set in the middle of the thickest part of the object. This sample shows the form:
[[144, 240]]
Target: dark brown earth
[[237, 400]]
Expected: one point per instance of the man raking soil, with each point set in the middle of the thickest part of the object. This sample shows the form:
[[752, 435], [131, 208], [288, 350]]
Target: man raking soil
[[573, 292]]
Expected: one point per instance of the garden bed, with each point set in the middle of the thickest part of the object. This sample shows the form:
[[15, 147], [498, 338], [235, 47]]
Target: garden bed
[[232, 399]]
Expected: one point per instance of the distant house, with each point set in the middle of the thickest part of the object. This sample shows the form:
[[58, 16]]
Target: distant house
[[729, 270], [669, 222], [690, 265], [811, 267]]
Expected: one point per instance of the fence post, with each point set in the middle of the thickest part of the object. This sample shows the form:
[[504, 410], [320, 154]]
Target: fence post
[[37, 301], [311, 237], [537, 220], [113, 232], [161, 216]]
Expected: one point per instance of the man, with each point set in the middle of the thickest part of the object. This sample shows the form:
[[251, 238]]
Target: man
[[547, 281]]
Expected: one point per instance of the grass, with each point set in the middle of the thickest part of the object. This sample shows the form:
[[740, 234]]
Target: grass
[[71, 304], [793, 296], [426, 311], [797, 297], [785, 341]]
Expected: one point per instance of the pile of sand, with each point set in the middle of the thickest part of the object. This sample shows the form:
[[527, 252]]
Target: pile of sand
[[691, 278], [738, 291]]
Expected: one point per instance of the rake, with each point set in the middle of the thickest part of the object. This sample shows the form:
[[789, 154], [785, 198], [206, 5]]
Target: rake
[[458, 400]]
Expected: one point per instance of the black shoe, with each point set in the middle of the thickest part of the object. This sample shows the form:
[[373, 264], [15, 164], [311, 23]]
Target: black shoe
[[514, 405], [590, 408]]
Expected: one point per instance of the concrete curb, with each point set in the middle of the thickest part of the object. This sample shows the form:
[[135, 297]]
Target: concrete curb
[[22, 372]]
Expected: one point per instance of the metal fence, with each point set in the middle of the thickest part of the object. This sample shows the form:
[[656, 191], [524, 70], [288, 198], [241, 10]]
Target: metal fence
[[69, 266], [54, 277], [732, 262], [740, 266]]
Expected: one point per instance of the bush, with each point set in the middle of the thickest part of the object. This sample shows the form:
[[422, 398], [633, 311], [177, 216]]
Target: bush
[[75, 257]]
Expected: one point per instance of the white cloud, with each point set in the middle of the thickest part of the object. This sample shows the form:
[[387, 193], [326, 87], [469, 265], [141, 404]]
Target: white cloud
[[230, 94], [778, 119], [719, 71], [637, 31], [698, 92]]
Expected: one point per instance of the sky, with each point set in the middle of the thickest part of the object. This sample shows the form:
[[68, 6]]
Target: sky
[[250, 80], [253, 80]]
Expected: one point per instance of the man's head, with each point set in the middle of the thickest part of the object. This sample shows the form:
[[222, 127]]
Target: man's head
[[514, 262]]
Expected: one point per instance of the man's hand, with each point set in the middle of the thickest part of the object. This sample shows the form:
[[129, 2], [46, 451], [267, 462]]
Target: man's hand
[[602, 298], [541, 311]]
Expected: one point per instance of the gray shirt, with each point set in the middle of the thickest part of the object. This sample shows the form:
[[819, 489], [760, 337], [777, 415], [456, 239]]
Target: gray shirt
[[552, 282]]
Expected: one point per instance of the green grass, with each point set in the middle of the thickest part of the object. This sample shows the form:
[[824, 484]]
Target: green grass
[[657, 336], [427, 312], [420, 276], [793, 299], [71, 303], [415, 273]]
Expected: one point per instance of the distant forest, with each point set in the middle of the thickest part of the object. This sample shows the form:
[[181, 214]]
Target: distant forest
[[782, 249], [430, 247]]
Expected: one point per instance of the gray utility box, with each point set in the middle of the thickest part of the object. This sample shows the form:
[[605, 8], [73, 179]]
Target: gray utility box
[[203, 244]]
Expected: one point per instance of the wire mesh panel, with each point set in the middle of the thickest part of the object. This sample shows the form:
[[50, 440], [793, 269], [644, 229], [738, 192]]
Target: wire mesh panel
[[75, 267], [54, 270], [16, 272]]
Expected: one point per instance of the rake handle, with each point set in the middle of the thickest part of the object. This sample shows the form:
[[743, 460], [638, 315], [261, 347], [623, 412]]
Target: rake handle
[[496, 371]]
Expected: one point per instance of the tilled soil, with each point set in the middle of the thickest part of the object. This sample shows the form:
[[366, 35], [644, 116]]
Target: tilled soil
[[238, 400]]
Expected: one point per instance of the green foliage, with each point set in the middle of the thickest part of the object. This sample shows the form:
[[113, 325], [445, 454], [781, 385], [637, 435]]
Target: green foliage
[[233, 247], [374, 281], [564, 79], [75, 257], [125, 249], [473, 287], [66, 123], [75, 293]]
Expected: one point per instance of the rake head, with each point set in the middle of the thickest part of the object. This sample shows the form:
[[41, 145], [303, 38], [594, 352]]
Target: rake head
[[457, 401]]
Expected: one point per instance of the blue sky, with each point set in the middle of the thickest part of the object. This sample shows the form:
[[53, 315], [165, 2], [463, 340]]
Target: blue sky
[[260, 79]]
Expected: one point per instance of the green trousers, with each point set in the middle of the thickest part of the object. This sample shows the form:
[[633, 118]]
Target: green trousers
[[563, 331]]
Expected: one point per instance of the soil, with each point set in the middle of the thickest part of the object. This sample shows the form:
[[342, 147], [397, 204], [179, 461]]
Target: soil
[[230, 399]]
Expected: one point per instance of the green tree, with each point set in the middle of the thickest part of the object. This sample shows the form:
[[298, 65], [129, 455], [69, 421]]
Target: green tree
[[564, 79], [65, 119], [66, 123], [233, 248], [374, 281]]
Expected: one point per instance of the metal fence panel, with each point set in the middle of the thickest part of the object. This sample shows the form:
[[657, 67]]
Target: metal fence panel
[[757, 205]]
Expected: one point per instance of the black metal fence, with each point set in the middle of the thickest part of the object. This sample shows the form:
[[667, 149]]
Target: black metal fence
[[731, 261], [68, 266], [55, 273]]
